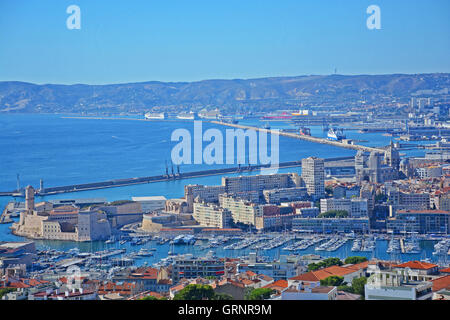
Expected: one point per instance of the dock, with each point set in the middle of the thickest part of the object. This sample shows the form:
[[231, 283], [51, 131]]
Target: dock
[[343, 162], [304, 137]]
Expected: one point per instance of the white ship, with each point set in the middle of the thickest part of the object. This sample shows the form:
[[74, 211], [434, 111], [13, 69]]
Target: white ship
[[335, 134], [155, 116], [187, 116]]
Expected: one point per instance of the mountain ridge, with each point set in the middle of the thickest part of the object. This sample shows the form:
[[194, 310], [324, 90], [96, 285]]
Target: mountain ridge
[[233, 95]]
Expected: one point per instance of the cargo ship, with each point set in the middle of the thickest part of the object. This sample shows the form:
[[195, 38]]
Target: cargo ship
[[276, 117], [305, 131], [335, 134]]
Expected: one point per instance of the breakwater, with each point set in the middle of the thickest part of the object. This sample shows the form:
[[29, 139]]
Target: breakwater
[[305, 137], [330, 162]]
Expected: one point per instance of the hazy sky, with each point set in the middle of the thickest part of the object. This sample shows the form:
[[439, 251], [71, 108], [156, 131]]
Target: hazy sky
[[186, 40]]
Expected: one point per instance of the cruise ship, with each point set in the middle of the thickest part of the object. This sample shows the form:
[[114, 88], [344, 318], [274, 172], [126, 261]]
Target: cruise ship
[[155, 116], [187, 116], [335, 134]]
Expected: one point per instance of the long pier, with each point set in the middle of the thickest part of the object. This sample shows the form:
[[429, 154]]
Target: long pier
[[304, 137], [332, 162]]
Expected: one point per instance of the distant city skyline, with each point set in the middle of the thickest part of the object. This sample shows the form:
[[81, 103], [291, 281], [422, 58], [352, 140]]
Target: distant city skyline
[[181, 41]]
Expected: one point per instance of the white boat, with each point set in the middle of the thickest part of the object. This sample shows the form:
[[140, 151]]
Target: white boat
[[155, 116], [335, 134], [187, 116], [144, 253]]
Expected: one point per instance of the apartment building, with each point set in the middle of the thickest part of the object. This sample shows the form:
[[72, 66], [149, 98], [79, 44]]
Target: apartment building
[[313, 174], [285, 194], [210, 215], [356, 207], [236, 185], [189, 267], [241, 210], [421, 221], [330, 225]]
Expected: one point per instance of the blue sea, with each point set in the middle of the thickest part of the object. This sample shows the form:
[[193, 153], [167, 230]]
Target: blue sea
[[62, 150]]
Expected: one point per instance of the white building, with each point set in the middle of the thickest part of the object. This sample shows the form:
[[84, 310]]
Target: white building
[[396, 286], [356, 207], [150, 204], [313, 174], [210, 215]]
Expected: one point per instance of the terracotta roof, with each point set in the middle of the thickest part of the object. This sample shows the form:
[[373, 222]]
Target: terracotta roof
[[416, 265], [325, 273], [145, 273], [247, 282], [359, 266], [25, 283], [277, 285], [441, 283], [264, 277], [250, 273]]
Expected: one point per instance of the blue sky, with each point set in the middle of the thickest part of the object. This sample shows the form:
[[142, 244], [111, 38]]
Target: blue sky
[[179, 40]]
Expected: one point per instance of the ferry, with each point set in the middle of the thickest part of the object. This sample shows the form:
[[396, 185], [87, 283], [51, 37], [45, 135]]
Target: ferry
[[187, 116], [335, 134], [155, 116]]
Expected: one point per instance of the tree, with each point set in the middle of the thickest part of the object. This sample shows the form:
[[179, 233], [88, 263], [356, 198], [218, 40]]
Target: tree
[[4, 291], [195, 292], [380, 198], [324, 264], [259, 294], [354, 260], [334, 214], [120, 202], [222, 296], [358, 285], [152, 298], [332, 281], [200, 292]]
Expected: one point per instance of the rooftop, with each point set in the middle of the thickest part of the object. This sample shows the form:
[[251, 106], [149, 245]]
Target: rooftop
[[416, 265]]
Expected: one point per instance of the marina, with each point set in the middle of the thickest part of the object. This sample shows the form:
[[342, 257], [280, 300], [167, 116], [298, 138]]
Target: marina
[[158, 250]]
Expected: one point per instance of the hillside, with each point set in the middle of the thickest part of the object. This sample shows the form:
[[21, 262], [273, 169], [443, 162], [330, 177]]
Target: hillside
[[230, 95]]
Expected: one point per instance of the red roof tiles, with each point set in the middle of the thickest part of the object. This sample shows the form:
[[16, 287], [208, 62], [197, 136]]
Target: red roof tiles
[[416, 265], [441, 283]]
